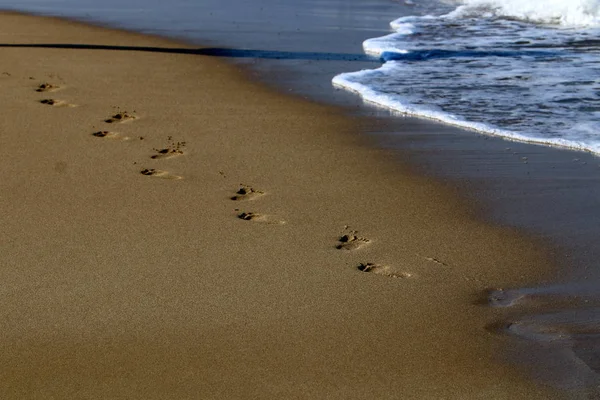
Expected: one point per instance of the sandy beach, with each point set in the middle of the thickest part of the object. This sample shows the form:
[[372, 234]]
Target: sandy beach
[[174, 230]]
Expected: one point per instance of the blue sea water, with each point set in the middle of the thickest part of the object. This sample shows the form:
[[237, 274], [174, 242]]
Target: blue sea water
[[527, 70]]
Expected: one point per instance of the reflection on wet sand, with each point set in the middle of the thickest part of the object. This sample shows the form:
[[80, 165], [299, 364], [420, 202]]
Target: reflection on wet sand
[[564, 322]]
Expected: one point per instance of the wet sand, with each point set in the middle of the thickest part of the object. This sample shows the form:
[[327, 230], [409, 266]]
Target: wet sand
[[551, 194], [129, 271]]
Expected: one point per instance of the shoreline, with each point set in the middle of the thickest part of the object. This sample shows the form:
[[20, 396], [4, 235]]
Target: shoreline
[[290, 288]]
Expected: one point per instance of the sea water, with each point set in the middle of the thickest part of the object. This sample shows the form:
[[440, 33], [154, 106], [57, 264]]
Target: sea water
[[527, 70]]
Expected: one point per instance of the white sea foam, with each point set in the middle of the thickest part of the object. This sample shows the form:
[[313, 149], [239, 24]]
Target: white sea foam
[[563, 12], [351, 81], [502, 76]]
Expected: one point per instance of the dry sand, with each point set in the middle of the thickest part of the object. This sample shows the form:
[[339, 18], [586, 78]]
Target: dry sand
[[128, 276]]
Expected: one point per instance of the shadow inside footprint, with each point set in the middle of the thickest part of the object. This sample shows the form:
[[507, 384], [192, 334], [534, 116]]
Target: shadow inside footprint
[[247, 193], [159, 174], [351, 242], [120, 117], [46, 87], [382, 270]]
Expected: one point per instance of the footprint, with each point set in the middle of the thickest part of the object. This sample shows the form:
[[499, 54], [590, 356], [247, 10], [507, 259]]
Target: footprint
[[247, 193], [382, 270], [351, 241], [251, 216], [173, 149], [56, 103], [47, 87], [110, 135], [159, 174], [436, 261], [502, 298], [166, 153], [120, 117]]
